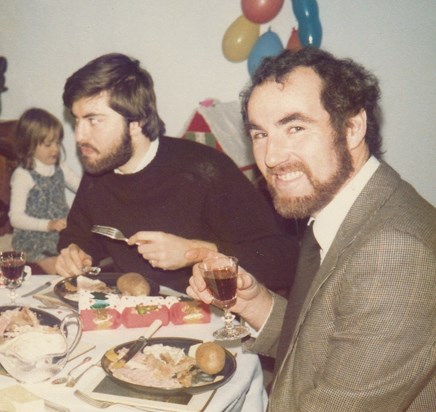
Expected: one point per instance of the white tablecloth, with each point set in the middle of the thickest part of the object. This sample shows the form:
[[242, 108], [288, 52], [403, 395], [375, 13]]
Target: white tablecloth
[[244, 392]]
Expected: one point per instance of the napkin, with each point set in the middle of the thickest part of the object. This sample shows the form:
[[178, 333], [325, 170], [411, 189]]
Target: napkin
[[16, 398]]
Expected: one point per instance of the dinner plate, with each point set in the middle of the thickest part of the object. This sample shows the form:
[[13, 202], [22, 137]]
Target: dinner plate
[[44, 318], [183, 343], [110, 279]]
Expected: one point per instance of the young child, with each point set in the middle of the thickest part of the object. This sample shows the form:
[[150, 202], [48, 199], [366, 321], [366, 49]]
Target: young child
[[38, 207]]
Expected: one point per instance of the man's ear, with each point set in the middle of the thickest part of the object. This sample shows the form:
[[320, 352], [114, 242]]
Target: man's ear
[[135, 129], [356, 129]]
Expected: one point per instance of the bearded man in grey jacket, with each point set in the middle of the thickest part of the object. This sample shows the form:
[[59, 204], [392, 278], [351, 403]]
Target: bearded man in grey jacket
[[358, 332]]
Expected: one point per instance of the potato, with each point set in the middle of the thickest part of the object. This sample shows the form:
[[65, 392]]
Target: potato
[[210, 357], [133, 284]]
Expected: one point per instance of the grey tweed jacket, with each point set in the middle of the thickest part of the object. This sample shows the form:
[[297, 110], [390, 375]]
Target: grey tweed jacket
[[365, 337]]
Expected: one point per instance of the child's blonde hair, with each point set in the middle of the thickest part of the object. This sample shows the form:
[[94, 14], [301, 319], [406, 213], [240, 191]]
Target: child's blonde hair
[[35, 126]]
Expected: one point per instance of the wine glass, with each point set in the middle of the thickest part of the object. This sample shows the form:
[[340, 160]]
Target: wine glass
[[12, 267], [220, 274]]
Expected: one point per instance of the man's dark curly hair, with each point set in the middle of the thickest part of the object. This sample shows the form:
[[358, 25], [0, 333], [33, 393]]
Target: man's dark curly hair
[[347, 88]]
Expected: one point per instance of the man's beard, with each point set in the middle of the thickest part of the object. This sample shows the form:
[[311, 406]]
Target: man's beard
[[118, 156], [323, 192]]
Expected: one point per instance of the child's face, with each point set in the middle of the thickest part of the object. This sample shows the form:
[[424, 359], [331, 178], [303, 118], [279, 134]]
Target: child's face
[[48, 151]]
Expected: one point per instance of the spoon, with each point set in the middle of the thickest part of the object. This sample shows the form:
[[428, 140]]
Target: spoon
[[64, 379]]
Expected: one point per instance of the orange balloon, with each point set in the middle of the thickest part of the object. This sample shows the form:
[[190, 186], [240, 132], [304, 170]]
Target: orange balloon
[[294, 43], [239, 39]]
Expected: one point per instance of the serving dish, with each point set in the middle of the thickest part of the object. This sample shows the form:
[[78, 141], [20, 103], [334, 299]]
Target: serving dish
[[61, 288], [32, 354], [202, 385]]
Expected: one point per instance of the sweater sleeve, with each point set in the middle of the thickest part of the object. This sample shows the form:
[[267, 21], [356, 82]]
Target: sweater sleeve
[[72, 180], [21, 184], [79, 222]]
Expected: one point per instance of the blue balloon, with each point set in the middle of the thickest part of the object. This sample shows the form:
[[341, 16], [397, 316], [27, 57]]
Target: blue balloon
[[304, 9], [309, 25], [310, 33], [268, 44]]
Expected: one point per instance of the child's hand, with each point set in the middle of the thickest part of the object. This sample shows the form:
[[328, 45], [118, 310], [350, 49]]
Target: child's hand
[[57, 225]]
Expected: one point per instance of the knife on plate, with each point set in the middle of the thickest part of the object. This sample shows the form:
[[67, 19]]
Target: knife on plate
[[38, 289], [138, 345]]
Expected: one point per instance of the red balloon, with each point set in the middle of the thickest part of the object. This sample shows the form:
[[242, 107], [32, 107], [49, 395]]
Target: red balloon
[[261, 11]]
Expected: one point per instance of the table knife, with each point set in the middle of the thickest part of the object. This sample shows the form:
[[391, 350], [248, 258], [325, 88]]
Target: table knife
[[137, 346], [38, 289], [55, 407]]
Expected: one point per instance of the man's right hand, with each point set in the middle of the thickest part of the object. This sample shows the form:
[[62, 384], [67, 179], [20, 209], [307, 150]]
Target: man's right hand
[[71, 260]]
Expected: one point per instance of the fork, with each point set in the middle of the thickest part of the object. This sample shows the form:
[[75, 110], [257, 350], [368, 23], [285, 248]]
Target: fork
[[110, 232], [72, 381], [68, 378], [106, 404]]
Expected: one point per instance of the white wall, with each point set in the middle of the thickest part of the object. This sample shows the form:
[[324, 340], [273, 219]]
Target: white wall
[[179, 42]]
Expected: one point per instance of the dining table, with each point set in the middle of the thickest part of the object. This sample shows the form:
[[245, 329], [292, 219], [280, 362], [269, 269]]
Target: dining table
[[244, 391]]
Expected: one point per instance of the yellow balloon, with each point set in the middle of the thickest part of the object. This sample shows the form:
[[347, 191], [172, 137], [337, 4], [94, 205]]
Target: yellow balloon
[[239, 39]]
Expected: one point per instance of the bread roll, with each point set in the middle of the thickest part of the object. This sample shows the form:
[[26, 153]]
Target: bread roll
[[133, 284], [210, 357]]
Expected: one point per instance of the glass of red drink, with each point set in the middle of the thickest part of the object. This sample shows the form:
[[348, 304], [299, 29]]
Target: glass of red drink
[[220, 274], [12, 268]]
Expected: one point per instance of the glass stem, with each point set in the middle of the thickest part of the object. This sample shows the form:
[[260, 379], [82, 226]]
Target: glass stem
[[12, 295], [228, 319]]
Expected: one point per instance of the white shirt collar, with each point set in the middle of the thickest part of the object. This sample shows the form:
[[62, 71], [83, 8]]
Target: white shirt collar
[[330, 218], [42, 168], [149, 156]]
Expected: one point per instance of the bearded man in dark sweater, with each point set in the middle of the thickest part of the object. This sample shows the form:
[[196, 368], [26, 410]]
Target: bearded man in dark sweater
[[167, 195]]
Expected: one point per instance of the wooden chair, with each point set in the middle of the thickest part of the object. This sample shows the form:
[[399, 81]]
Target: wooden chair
[[8, 162]]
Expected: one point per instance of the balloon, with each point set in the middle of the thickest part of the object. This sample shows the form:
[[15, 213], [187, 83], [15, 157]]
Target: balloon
[[294, 43], [310, 33], [261, 11], [268, 44], [309, 26], [239, 39]]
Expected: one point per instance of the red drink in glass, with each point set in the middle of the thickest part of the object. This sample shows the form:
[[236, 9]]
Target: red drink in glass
[[222, 285]]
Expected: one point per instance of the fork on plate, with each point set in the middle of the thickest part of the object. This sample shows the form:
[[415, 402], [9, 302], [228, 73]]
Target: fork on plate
[[109, 231], [106, 404]]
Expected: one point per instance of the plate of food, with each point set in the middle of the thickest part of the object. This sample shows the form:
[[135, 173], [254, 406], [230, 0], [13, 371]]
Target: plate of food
[[169, 366], [15, 319], [68, 289]]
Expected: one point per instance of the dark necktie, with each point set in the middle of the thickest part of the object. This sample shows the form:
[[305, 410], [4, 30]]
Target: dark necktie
[[308, 265]]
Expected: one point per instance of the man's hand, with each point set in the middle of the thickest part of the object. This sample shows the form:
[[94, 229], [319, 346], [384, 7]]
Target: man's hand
[[71, 260], [253, 302], [166, 251]]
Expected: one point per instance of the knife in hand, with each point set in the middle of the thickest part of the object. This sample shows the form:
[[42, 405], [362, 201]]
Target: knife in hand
[[138, 345]]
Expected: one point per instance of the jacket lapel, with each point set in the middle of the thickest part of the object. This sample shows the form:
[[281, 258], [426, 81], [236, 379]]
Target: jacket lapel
[[377, 191]]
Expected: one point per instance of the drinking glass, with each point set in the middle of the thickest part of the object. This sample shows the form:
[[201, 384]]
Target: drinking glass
[[220, 274], [12, 267]]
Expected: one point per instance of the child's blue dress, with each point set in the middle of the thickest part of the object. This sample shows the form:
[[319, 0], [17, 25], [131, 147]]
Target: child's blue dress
[[46, 200]]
